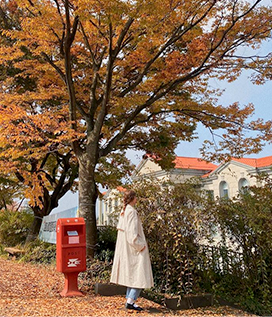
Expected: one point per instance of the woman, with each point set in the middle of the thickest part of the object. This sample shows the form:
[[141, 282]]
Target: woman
[[131, 263]]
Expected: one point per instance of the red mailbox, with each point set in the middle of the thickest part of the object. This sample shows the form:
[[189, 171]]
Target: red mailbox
[[71, 252]]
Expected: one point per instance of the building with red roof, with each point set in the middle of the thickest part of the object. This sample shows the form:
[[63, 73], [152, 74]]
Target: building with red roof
[[223, 180], [232, 176], [184, 168]]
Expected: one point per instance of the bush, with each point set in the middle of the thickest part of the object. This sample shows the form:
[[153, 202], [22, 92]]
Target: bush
[[106, 243], [179, 223], [2, 252], [14, 226], [246, 222], [175, 221], [40, 252]]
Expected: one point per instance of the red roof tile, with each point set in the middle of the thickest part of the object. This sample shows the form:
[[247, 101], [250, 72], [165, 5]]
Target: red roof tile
[[255, 162], [206, 175], [264, 161], [193, 163], [121, 189]]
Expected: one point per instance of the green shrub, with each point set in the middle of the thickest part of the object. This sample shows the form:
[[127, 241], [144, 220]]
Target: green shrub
[[2, 250], [40, 252], [14, 226], [179, 223], [174, 221], [106, 243], [246, 222]]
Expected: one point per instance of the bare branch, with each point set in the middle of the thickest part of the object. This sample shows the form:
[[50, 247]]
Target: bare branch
[[122, 36], [74, 29], [69, 37]]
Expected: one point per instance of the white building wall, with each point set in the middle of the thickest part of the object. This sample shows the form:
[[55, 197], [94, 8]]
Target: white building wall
[[111, 204], [146, 167], [231, 174]]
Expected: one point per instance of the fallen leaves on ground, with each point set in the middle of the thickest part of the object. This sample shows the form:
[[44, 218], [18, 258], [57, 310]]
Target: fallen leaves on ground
[[33, 290]]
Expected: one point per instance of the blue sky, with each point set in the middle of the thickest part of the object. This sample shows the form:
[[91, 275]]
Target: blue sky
[[244, 92]]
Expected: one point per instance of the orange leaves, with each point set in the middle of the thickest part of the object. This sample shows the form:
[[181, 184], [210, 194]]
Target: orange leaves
[[118, 77], [35, 191], [8, 54], [26, 132], [33, 290]]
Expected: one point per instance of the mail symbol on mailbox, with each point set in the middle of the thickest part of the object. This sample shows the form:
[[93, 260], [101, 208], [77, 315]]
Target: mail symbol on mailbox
[[73, 262]]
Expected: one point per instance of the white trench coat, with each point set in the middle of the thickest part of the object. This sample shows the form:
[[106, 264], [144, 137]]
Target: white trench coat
[[131, 266]]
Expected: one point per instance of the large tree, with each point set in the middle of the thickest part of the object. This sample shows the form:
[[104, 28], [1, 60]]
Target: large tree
[[132, 74]]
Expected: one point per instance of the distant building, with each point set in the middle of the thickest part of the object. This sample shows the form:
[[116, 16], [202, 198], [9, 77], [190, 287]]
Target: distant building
[[231, 177], [185, 168], [109, 206], [224, 180]]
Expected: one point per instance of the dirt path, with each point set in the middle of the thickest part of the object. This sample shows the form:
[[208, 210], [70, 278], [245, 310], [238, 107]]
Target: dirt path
[[33, 290]]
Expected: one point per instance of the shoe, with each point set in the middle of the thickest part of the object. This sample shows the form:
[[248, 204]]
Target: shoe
[[133, 307]]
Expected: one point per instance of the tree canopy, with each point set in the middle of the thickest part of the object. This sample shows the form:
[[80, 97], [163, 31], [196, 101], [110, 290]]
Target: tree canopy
[[101, 77]]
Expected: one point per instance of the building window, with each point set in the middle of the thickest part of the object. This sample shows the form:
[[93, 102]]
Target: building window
[[243, 185], [224, 190]]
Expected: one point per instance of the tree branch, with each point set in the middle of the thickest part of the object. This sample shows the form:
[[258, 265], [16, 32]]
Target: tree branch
[[4, 18], [101, 33], [121, 37], [88, 46], [69, 38], [176, 35], [59, 71]]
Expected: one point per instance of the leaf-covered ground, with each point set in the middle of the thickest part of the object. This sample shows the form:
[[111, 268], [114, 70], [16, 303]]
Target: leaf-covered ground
[[33, 290]]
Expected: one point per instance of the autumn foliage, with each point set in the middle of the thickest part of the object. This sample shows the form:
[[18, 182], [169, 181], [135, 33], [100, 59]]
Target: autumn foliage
[[102, 77], [33, 290]]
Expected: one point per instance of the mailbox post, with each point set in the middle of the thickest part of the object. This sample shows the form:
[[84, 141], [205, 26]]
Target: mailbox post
[[71, 252]]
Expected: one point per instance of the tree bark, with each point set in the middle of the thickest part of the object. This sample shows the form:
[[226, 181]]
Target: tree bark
[[87, 199], [34, 230]]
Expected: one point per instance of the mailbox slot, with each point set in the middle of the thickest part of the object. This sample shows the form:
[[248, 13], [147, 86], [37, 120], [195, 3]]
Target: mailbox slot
[[73, 234]]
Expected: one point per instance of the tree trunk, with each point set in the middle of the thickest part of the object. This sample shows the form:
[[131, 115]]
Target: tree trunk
[[38, 217], [35, 229], [39, 213], [87, 201]]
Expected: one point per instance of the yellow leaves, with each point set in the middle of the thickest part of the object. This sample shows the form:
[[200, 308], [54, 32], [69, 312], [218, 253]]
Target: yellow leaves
[[163, 51], [41, 29], [8, 54], [26, 135], [33, 192]]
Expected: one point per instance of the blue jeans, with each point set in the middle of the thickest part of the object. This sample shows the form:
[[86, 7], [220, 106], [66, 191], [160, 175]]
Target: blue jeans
[[133, 293]]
